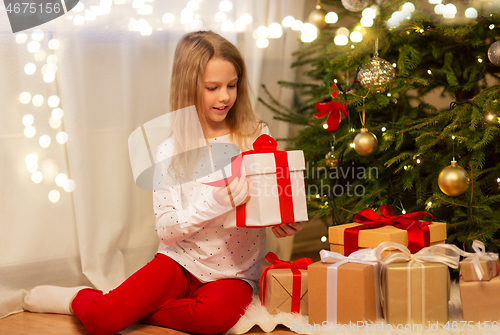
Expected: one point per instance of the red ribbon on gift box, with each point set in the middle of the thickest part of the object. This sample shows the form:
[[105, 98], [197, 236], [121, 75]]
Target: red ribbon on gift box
[[418, 231], [277, 263], [264, 144]]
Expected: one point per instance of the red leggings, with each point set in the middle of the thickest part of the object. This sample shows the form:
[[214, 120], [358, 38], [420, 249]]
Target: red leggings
[[163, 293]]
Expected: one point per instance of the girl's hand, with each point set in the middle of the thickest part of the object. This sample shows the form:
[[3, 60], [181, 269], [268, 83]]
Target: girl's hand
[[287, 229], [237, 191]]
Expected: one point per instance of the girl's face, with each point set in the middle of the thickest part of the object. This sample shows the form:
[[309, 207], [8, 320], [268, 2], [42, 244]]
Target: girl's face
[[219, 93]]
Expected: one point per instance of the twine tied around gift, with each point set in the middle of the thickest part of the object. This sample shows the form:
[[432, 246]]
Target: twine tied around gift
[[364, 256], [295, 267], [478, 255], [446, 254], [418, 231]]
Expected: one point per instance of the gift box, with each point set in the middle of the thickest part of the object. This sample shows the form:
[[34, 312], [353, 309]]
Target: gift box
[[343, 292], [283, 285], [415, 289], [421, 298], [480, 265], [489, 267], [404, 229], [276, 186], [480, 299], [371, 238]]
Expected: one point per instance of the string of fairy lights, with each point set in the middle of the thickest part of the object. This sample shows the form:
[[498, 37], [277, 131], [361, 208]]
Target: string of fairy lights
[[192, 17], [343, 37], [41, 167], [44, 48]]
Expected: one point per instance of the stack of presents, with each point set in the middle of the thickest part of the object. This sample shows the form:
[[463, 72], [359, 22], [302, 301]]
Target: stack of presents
[[381, 266], [382, 277]]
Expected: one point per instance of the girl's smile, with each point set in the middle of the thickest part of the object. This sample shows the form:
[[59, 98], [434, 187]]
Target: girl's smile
[[222, 110]]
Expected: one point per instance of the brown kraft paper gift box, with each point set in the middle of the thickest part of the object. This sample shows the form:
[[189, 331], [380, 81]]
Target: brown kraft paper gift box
[[371, 238], [278, 290], [490, 268], [356, 297], [480, 299], [429, 293]]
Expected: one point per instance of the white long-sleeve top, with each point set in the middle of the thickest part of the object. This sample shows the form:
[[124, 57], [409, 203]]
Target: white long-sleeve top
[[190, 224]]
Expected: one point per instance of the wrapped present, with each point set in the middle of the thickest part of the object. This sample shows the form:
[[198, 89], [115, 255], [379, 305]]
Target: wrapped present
[[415, 288], [283, 285], [480, 265], [480, 299], [276, 185], [371, 229], [344, 289]]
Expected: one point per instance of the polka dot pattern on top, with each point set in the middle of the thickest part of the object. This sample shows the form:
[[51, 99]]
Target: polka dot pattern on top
[[190, 225]]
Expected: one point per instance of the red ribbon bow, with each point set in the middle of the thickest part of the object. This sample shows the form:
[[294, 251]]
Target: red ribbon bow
[[264, 143], [277, 263], [418, 231], [333, 109]]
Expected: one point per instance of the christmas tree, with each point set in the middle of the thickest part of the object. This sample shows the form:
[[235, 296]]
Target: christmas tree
[[412, 50]]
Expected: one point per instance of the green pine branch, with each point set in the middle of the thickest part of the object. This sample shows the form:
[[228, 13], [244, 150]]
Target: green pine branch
[[416, 137]]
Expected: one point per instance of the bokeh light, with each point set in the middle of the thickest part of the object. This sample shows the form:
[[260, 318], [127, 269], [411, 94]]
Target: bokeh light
[[44, 141], [28, 120], [37, 177], [54, 196]]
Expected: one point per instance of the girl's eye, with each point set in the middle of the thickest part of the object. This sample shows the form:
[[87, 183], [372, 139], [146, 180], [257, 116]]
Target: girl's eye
[[211, 88], [232, 86]]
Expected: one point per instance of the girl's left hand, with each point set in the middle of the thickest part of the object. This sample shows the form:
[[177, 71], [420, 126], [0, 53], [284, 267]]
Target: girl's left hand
[[287, 229]]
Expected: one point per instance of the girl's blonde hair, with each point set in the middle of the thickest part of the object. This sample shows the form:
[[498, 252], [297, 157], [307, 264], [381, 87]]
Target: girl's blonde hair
[[192, 54]]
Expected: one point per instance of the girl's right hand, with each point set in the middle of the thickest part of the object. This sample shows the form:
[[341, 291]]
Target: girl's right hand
[[237, 191]]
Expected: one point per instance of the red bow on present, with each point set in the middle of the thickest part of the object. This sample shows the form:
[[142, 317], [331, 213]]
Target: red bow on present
[[263, 144], [333, 109], [418, 231], [277, 263]]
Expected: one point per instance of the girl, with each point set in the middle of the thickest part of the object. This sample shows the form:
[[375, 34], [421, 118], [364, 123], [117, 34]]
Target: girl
[[202, 277]]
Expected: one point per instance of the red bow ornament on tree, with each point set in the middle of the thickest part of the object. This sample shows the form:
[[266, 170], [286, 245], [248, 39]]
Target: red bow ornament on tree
[[333, 109]]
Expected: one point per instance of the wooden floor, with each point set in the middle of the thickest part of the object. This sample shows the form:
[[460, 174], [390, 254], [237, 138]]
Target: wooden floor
[[55, 324]]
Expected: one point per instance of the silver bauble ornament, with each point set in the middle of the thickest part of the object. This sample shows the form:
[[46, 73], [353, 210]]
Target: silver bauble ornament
[[355, 5], [377, 75], [494, 53], [331, 160], [365, 143], [317, 17], [453, 180]]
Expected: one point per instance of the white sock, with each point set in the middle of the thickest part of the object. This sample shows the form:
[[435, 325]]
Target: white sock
[[50, 299]]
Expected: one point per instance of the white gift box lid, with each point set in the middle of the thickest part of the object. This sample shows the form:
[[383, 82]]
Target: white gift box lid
[[256, 164]]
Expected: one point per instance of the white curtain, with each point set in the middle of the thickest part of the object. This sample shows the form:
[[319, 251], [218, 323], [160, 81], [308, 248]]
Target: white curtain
[[110, 80]]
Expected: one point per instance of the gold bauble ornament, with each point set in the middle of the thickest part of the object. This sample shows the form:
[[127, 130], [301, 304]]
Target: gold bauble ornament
[[453, 180], [317, 17], [377, 75], [494, 53], [331, 160], [355, 5], [365, 143]]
